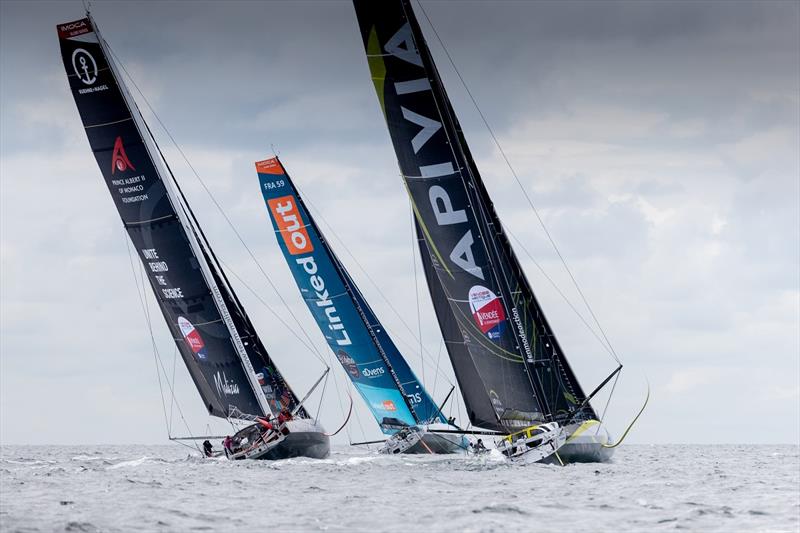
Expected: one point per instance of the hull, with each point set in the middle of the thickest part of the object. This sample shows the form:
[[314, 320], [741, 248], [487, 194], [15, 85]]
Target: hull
[[418, 440], [306, 438], [438, 443], [585, 444]]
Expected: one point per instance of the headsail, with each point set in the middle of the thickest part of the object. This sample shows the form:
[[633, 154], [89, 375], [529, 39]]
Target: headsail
[[210, 329], [510, 367], [372, 361]]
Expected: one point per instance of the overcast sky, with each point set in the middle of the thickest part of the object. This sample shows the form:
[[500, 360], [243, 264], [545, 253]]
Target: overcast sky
[[658, 140]]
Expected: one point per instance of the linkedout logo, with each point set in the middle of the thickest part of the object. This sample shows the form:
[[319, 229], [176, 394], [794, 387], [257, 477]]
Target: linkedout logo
[[119, 159], [85, 66], [287, 217]]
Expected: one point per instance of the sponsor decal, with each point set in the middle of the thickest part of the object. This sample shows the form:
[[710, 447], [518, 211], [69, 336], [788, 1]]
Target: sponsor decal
[[401, 45], [348, 363], [324, 302], [372, 372], [269, 166], [119, 159], [496, 403], [389, 405], [225, 387], [487, 310], [287, 217], [85, 66], [192, 338], [73, 29]]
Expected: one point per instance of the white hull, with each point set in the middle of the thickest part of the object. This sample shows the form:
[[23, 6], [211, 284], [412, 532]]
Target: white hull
[[418, 440]]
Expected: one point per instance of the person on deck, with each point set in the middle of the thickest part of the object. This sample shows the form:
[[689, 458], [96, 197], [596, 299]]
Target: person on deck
[[228, 445], [208, 449], [479, 447]]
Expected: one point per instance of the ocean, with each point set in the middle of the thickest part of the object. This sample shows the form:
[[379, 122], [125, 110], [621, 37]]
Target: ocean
[[170, 488]]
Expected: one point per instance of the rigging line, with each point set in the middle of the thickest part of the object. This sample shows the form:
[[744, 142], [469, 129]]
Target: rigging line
[[163, 369], [438, 358], [150, 329], [159, 362], [310, 346], [140, 290], [321, 396], [519, 182], [210, 195], [172, 387], [560, 292], [608, 401], [416, 297], [363, 270]]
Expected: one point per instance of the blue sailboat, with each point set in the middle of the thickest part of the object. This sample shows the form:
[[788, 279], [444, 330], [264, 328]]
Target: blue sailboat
[[400, 404]]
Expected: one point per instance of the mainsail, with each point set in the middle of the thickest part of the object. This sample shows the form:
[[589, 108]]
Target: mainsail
[[226, 360], [373, 363], [509, 365]]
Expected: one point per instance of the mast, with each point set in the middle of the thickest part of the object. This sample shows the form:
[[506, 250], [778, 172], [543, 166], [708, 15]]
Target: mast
[[356, 336], [497, 337]]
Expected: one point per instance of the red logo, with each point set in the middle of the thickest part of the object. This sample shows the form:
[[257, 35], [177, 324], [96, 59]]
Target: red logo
[[119, 159], [389, 405]]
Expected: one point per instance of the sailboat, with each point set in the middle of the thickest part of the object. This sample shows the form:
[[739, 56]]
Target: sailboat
[[513, 375], [235, 376], [400, 404]]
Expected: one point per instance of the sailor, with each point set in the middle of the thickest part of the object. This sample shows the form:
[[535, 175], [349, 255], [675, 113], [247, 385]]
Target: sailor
[[479, 447], [521, 447], [451, 421], [228, 445], [208, 449]]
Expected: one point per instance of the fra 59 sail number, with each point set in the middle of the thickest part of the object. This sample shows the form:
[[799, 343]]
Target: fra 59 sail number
[[274, 184]]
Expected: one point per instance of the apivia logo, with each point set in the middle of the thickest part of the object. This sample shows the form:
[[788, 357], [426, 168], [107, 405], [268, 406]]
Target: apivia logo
[[225, 387], [487, 310], [85, 66], [119, 159], [372, 372]]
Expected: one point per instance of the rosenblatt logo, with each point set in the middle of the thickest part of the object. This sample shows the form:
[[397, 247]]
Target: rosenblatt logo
[[119, 159]]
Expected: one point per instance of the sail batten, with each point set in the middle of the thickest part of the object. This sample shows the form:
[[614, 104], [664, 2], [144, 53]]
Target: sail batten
[[509, 366], [373, 363]]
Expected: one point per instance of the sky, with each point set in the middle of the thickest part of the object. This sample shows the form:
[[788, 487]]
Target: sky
[[659, 142]]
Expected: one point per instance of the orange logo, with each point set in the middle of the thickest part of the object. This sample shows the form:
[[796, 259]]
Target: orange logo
[[287, 217], [269, 166], [389, 405]]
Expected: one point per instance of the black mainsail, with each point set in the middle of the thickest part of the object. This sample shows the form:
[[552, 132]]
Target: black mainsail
[[233, 372], [509, 365]]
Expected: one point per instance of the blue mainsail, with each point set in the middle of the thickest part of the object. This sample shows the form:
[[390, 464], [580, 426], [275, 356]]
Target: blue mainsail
[[373, 363]]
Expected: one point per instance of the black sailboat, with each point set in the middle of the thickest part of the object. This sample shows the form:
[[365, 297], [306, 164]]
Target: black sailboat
[[512, 372], [235, 376]]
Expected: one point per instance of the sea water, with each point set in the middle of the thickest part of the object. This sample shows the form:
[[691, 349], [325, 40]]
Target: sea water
[[170, 488]]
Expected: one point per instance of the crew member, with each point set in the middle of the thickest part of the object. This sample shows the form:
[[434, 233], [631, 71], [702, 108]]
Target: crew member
[[208, 449]]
